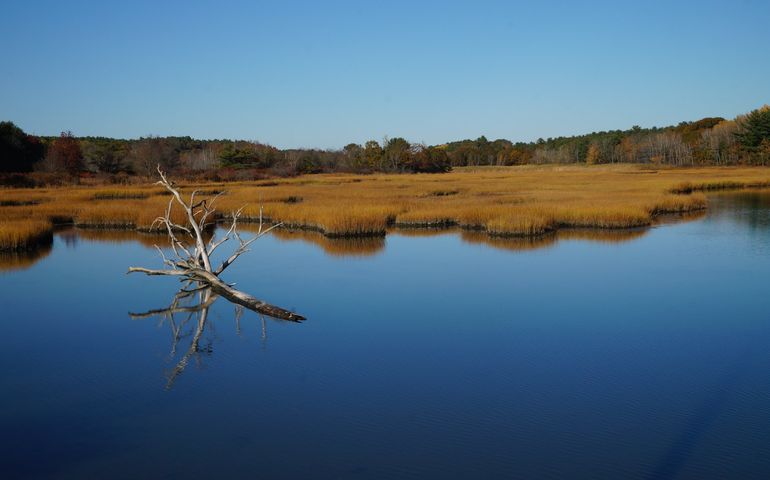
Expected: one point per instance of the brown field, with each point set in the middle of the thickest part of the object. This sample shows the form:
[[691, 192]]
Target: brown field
[[522, 201]]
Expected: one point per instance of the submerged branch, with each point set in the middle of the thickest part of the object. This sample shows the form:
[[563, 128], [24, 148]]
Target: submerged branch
[[149, 271]]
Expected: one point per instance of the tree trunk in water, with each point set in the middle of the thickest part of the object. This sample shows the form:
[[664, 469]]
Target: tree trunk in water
[[241, 298]]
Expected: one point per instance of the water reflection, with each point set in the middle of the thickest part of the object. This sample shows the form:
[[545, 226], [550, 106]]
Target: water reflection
[[187, 316], [750, 208], [522, 244], [115, 236], [10, 261], [518, 244], [515, 244], [336, 247], [70, 236]]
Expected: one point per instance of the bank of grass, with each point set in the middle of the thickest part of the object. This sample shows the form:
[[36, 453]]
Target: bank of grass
[[497, 201], [710, 186], [17, 235]]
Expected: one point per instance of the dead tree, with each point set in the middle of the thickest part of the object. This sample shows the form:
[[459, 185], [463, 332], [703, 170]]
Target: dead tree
[[192, 259]]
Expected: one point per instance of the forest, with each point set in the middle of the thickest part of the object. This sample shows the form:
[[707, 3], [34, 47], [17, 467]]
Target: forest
[[28, 160]]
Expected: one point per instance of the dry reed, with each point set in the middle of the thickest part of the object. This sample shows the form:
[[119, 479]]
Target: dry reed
[[500, 201], [25, 234]]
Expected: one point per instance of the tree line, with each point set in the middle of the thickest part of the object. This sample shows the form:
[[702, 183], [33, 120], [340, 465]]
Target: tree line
[[709, 141]]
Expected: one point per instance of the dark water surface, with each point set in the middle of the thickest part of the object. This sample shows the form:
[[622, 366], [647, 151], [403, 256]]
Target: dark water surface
[[640, 355]]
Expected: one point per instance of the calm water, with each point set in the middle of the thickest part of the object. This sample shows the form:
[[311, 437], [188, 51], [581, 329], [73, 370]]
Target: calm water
[[632, 355]]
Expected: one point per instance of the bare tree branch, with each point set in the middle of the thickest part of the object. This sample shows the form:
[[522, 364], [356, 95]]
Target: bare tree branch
[[195, 266]]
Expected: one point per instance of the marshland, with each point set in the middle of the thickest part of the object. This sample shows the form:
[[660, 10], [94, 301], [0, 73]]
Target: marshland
[[500, 201], [385, 240]]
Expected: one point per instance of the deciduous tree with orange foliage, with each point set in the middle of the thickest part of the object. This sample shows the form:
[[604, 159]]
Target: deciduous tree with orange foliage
[[65, 154], [592, 156]]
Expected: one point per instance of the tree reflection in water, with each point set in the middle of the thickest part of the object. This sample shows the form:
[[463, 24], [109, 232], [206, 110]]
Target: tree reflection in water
[[187, 315]]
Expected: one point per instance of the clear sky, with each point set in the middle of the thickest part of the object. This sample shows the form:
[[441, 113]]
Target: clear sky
[[326, 73]]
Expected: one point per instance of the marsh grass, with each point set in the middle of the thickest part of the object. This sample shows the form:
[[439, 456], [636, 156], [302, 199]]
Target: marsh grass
[[18, 235], [17, 203], [119, 195], [495, 201], [685, 188], [527, 222], [443, 193]]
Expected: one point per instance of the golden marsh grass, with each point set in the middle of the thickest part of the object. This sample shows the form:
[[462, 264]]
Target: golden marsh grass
[[499, 201], [25, 234]]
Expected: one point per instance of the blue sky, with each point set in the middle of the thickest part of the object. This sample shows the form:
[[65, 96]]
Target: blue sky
[[323, 74]]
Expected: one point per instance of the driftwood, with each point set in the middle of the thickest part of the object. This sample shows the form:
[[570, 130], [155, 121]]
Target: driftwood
[[194, 264]]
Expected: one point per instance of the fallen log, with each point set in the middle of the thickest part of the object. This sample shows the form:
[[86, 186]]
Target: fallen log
[[194, 265]]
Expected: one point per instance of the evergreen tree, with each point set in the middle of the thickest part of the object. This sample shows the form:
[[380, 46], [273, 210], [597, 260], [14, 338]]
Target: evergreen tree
[[754, 128]]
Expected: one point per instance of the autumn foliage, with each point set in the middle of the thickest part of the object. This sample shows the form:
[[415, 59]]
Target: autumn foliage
[[744, 140], [65, 154]]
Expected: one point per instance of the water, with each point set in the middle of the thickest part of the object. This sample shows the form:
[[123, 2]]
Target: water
[[628, 355]]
